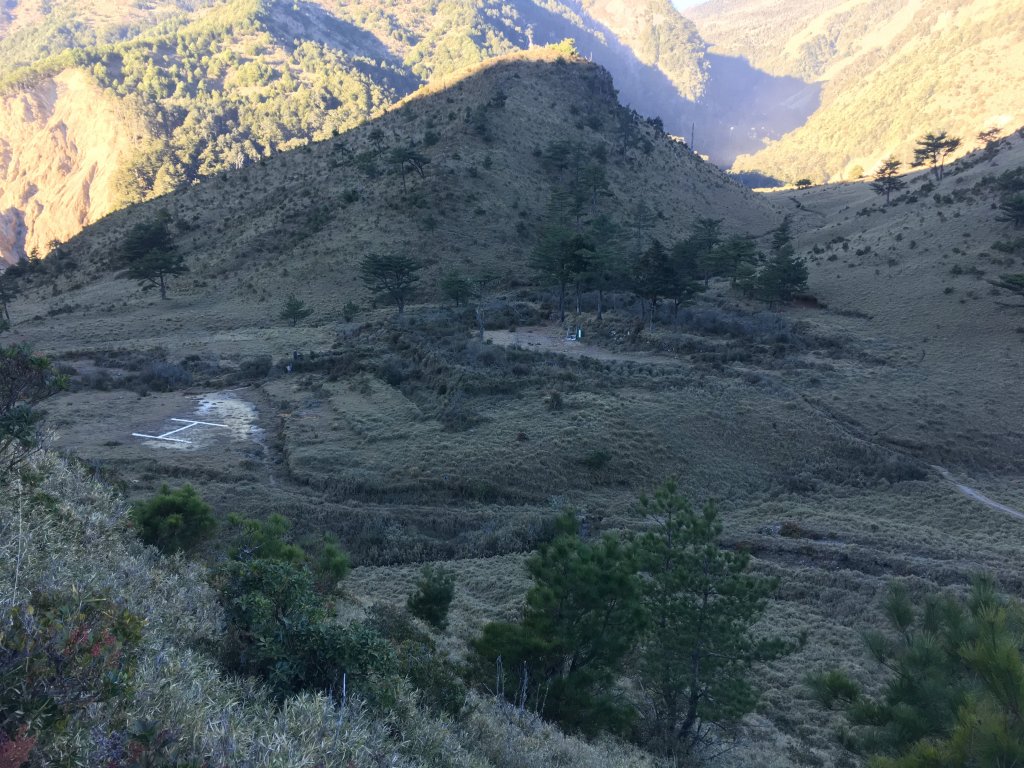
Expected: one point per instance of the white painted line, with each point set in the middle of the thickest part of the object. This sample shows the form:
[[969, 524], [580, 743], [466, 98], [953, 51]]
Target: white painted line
[[179, 429], [204, 423], [161, 437]]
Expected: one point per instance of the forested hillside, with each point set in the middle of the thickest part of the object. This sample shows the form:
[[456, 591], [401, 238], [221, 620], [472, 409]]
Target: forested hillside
[[819, 90], [204, 87], [889, 70]]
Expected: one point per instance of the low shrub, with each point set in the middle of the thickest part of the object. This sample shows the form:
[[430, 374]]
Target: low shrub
[[277, 629], [60, 654], [25, 381], [255, 368], [160, 376], [433, 596], [174, 521], [434, 676], [596, 460], [265, 540]]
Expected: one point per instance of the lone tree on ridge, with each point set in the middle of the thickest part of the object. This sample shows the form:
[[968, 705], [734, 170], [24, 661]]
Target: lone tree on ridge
[[888, 179], [932, 150]]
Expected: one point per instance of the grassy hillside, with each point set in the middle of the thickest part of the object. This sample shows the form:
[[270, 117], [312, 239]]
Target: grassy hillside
[[254, 236], [66, 539], [476, 206], [818, 426], [890, 73]]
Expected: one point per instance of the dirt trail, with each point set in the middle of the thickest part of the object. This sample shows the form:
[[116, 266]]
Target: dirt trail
[[548, 339], [972, 493]]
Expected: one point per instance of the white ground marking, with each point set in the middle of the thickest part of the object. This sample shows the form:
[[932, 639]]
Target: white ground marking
[[188, 425]]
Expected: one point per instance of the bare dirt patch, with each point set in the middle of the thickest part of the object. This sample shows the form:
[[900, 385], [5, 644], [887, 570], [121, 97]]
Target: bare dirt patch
[[553, 339]]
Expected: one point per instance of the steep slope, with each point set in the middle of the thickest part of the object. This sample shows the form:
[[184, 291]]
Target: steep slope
[[501, 145], [69, 537], [799, 39], [33, 29], [891, 71], [61, 143], [917, 276], [199, 93], [412, 441], [218, 85], [475, 207]]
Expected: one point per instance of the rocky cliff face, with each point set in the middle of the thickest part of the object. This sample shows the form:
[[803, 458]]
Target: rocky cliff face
[[61, 144]]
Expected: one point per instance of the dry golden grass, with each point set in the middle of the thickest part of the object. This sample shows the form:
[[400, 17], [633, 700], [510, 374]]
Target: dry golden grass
[[890, 72]]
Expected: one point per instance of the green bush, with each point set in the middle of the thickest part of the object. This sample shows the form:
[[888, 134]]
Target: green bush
[[278, 630], [433, 596], [174, 521], [671, 610], [582, 617], [430, 672], [25, 381], [952, 683], [265, 540]]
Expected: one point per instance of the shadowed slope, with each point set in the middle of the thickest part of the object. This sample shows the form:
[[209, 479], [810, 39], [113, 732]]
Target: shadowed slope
[[252, 235]]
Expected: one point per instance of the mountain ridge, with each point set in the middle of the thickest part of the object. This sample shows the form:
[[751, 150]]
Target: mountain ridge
[[220, 85], [890, 72], [485, 175]]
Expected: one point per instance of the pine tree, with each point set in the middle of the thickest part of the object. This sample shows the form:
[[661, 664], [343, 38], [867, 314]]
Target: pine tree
[[581, 618], [406, 159], [1012, 283], [988, 138], [604, 268], [148, 252], [704, 238], [737, 256], [887, 178], [393, 274], [173, 521], [434, 593], [954, 688], [562, 253], [294, 310], [456, 287], [653, 278], [784, 274], [932, 150], [700, 604], [1011, 209], [641, 222], [687, 276]]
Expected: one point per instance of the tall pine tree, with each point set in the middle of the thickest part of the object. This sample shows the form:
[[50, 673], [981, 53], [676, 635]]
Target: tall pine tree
[[700, 604]]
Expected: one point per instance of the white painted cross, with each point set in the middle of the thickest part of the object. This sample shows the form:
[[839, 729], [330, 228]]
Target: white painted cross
[[189, 423]]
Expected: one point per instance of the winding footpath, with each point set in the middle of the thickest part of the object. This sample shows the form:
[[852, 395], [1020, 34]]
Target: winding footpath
[[972, 493]]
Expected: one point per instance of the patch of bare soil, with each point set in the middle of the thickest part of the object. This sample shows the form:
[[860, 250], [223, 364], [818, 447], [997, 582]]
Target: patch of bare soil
[[554, 339]]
